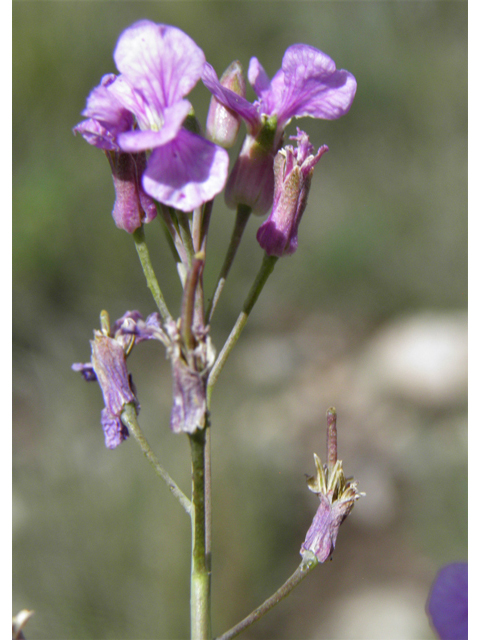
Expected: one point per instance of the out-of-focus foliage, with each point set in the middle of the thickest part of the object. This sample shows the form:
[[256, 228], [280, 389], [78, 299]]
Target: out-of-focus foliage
[[100, 547]]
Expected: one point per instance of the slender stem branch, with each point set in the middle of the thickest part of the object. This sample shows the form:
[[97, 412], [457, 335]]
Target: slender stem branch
[[186, 235], [152, 283], [200, 576], [129, 418], [308, 563], [243, 214], [266, 269], [166, 218]]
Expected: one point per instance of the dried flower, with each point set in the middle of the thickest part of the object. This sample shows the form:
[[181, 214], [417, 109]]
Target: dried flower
[[337, 496], [108, 366]]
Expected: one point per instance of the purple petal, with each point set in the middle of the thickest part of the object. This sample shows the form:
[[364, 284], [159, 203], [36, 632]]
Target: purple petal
[[106, 116], [162, 62], [448, 602], [258, 77], [310, 85], [113, 428], [323, 531], [186, 172], [97, 135], [173, 117], [86, 370], [108, 359], [229, 98]]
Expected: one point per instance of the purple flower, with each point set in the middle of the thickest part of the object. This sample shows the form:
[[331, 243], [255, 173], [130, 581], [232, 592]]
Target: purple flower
[[447, 604], [308, 84], [144, 108], [108, 366], [337, 496], [293, 171]]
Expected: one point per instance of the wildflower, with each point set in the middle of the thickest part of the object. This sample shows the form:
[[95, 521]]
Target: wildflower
[[293, 171], [144, 108], [108, 366], [337, 496], [308, 84], [447, 604]]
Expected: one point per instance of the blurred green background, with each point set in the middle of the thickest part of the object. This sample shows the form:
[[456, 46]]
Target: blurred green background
[[369, 316]]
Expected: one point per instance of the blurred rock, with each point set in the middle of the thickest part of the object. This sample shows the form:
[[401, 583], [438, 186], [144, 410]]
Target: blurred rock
[[421, 358]]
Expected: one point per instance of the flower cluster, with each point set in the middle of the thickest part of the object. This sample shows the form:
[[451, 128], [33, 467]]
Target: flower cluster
[[160, 161], [143, 109]]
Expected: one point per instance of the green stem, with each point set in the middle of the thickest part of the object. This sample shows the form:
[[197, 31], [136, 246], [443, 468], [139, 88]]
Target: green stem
[[243, 214], [129, 418], [266, 269], [308, 563], [186, 235], [200, 576], [152, 283]]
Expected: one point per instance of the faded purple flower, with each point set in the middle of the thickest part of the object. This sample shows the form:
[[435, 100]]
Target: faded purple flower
[[189, 371], [110, 348], [447, 604], [293, 171], [337, 496], [143, 109], [308, 84]]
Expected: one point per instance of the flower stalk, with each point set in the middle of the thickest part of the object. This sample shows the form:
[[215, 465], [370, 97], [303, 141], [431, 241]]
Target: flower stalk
[[308, 563], [241, 219], [263, 274], [200, 575], [129, 418], [152, 282]]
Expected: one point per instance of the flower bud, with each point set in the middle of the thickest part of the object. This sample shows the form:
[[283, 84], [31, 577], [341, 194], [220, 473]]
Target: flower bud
[[132, 205], [223, 123], [251, 180], [293, 171]]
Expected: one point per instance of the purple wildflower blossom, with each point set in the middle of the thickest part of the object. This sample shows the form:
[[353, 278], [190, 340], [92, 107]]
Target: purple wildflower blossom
[[108, 366], [144, 108], [293, 171], [447, 605], [308, 84]]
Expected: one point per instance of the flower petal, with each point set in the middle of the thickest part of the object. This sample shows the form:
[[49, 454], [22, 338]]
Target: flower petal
[[229, 98], [448, 602], [186, 172], [162, 62], [135, 141], [258, 77], [310, 85], [113, 428]]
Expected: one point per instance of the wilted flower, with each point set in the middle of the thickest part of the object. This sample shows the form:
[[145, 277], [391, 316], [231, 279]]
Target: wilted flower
[[293, 171], [308, 84], [190, 369], [447, 604], [108, 366], [337, 496], [144, 109]]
